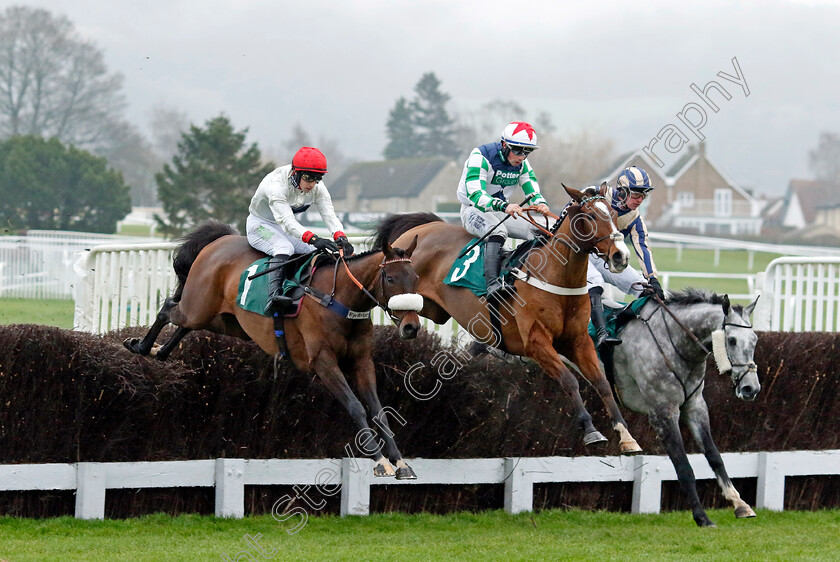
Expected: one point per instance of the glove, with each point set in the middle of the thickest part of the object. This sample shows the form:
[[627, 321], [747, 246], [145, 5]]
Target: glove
[[656, 288], [323, 244], [345, 245]]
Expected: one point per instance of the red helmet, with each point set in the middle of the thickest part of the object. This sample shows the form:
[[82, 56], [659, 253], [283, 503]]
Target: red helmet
[[309, 159]]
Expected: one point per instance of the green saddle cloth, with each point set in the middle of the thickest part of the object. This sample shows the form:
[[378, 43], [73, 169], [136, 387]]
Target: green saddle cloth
[[616, 318], [253, 293], [468, 271]]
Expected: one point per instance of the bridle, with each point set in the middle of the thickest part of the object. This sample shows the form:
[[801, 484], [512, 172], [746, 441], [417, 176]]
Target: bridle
[[380, 280], [552, 232], [722, 359]]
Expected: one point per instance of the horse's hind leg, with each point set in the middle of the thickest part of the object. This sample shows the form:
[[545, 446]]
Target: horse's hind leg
[[697, 416], [144, 346], [539, 347], [366, 386], [666, 424]]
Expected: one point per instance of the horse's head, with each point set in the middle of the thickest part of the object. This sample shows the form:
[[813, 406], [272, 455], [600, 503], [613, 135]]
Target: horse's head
[[399, 289], [734, 346], [592, 227]]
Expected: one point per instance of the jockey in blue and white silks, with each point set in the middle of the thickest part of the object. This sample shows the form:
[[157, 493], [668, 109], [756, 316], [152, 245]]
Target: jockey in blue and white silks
[[632, 188], [491, 175]]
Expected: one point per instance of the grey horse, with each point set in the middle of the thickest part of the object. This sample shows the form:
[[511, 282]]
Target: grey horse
[[660, 369]]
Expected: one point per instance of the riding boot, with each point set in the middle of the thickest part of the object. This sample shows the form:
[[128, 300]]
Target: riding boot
[[277, 302], [597, 312], [492, 265]]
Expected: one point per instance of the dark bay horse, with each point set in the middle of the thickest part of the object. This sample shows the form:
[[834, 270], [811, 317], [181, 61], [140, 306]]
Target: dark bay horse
[[548, 313], [208, 265], [660, 369]]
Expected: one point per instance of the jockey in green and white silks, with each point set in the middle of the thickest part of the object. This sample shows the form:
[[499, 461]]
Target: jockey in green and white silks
[[632, 188], [491, 175]]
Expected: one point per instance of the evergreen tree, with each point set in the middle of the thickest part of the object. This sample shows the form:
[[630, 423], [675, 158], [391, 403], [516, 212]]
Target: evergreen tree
[[45, 184], [422, 127], [433, 126], [403, 143], [213, 175]]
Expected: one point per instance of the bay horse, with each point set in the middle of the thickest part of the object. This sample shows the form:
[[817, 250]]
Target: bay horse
[[660, 370], [549, 310], [209, 263]]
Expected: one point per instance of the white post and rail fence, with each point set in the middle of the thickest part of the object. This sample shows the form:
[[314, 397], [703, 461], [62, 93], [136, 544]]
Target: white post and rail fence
[[353, 478], [125, 285]]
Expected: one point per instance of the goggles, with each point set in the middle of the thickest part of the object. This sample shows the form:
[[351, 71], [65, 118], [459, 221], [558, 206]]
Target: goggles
[[311, 176], [639, 194], [521, 150]]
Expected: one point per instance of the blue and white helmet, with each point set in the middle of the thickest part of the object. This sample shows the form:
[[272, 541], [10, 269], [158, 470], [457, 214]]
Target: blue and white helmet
[[634, 179]]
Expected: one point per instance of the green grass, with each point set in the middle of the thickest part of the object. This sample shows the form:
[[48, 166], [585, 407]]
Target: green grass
[[47, 312], [548, 535]]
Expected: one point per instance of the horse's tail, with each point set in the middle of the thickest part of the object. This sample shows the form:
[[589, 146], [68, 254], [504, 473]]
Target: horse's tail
[[193, 242], [393, 226]]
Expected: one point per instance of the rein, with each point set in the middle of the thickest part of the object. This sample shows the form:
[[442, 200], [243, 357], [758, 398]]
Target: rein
[[325, 300], [662, 306], [552, 234]]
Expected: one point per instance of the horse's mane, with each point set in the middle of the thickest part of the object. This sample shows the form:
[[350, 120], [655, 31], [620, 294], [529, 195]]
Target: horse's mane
[[692, 295], [391, 227]]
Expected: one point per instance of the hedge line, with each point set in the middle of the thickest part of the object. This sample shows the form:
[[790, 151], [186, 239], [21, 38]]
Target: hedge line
[[69, 396]]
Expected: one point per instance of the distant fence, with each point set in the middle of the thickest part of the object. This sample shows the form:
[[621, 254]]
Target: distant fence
[[354, 477], [40, 265], [800, 295]]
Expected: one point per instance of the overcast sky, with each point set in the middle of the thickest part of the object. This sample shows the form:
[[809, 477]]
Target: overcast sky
[[624, 68]]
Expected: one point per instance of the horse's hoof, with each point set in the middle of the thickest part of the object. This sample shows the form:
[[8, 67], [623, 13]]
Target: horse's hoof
[[406, 473], [594, 438], [383, 471], [131, 344], [743, 512], [629, 448], [705, 522]]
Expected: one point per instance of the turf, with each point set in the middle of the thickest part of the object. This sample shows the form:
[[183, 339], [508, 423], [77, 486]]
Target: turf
[[567, 535]]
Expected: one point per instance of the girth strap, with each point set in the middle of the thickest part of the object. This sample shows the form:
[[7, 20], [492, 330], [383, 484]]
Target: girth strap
[[547, 287]]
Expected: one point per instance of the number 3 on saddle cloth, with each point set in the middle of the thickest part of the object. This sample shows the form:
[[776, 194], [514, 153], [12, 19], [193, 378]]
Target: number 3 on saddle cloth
[[468, 270]]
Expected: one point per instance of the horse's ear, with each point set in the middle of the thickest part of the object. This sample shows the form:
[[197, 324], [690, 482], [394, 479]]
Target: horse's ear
[[387, 250], [726, 306], [748, 310], [411, 247], [573, 193], [602, 191]]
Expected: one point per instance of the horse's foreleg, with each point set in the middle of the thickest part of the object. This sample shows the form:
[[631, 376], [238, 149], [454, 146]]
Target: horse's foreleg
[[666, 424], [144, 346], [584, 356], [366, 386], [697, 417], [539, 348], [327, 369]]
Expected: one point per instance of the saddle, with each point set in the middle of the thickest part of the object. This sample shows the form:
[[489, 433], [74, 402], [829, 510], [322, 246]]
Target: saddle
[[617, 315]]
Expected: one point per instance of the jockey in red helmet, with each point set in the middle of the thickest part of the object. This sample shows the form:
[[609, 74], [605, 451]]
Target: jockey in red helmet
[[272, 226]]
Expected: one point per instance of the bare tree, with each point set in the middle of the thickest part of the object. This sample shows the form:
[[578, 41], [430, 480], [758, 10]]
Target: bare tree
[[576, 159], [825, 159], [52, 82], [168, 125]]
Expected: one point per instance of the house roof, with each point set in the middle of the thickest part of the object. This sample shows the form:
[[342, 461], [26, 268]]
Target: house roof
[[634, 157], [813, 195], [403, 177]]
